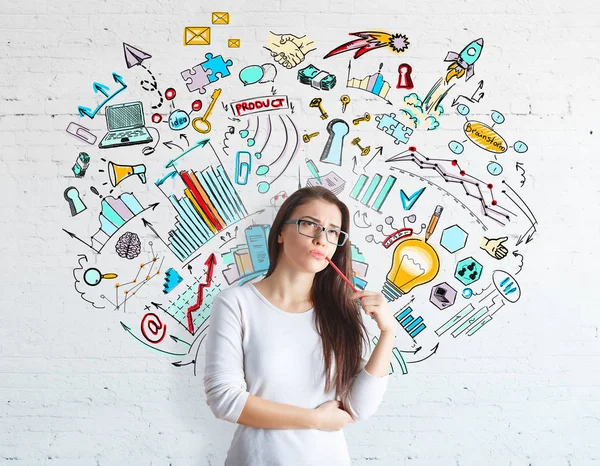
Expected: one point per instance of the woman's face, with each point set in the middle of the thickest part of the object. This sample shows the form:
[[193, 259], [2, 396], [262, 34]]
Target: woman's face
[[305, 252]]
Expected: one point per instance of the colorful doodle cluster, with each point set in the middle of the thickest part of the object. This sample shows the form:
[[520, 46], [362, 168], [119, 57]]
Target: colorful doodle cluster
[[451, 255]]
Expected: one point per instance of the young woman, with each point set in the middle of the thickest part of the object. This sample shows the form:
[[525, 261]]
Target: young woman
[[286, 357]]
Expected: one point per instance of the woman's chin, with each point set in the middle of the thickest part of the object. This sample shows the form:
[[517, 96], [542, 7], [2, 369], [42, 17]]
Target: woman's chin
[[313, 265], [319, 265]]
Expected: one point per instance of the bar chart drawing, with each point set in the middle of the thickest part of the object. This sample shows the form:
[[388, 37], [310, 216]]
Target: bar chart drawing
[[114, 214], [209, 204], [374, 83], [412, 325], [373, 185]]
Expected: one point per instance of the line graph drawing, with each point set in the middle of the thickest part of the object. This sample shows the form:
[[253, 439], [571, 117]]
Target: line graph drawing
[[470, 184], [147, 267], [446, 193]]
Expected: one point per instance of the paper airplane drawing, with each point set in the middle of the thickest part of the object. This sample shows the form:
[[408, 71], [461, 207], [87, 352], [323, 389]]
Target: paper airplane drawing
[[133, 55]]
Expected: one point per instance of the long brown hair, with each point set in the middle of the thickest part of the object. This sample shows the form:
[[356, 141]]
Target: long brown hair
[[337, 317]]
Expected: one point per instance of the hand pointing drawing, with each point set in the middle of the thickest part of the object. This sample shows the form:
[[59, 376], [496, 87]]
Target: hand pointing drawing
[[494, 247]]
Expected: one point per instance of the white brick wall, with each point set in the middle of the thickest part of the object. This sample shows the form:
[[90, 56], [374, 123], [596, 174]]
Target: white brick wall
[[77, 390]]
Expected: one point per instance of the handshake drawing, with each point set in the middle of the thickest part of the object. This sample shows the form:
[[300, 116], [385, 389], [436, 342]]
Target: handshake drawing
[[289, 50]]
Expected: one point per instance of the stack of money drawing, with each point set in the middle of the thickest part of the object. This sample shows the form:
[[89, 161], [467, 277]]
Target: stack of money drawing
[[316, 78]]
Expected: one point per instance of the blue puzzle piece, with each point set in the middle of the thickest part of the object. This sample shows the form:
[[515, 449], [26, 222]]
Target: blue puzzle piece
[[387, 123], [401, 133], [217, 65]]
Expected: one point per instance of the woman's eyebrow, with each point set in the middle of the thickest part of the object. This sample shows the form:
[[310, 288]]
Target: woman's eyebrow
[[317, 220]]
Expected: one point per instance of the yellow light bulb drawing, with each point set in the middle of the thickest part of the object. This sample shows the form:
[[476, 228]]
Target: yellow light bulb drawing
[[415, 262]]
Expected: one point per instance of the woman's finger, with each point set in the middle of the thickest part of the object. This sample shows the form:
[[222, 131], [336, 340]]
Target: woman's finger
[[370, 302]]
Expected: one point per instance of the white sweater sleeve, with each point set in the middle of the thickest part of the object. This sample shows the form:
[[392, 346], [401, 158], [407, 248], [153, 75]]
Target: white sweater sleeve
[[366, 393], [224, 382]]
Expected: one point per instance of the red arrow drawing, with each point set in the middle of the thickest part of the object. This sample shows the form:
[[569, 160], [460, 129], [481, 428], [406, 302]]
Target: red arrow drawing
[[210, 262]]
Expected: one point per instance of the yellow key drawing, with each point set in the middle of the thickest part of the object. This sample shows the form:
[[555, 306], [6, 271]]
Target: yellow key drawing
[[345, 99], [201, 124]]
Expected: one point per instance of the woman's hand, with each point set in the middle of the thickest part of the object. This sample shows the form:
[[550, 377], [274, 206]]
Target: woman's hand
[[331, 417], [375, 305]]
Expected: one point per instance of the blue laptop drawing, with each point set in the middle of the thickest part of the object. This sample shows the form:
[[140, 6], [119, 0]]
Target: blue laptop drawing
[[125, 123]]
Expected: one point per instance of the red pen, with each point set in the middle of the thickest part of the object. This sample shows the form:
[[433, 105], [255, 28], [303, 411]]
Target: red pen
[[344, 277], [341, 274]]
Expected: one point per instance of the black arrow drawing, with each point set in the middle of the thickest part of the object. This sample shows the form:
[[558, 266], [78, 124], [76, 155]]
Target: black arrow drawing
[[73, 235], [149, 225], [472, 98], [433, 351], [378, 151], [410, 351], [520, 166], [354, 163], [516, 254], [171, 143]]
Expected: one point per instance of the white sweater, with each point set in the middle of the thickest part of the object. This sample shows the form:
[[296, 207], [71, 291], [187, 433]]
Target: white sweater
[[254, 347]]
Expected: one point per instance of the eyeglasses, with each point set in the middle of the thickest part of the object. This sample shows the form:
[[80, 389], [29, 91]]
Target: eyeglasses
[[313, 230]]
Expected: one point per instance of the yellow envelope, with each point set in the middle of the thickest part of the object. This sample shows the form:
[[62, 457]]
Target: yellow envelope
[[220, 17], [233, 43], [196, 35]]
